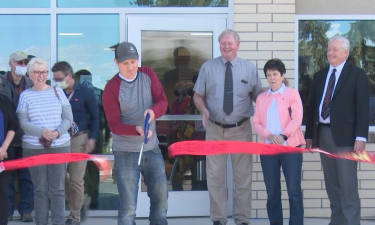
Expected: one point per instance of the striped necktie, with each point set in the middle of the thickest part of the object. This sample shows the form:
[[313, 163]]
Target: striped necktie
[[326, 109]]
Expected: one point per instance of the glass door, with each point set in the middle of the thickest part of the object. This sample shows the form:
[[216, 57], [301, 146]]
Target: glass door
[[175, 48]]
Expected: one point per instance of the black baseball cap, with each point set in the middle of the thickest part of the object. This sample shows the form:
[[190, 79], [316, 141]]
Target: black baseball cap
[[125, 51]]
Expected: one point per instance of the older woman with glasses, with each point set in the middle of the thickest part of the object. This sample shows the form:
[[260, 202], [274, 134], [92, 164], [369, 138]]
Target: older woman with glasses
[[45, 116], [277, 121]]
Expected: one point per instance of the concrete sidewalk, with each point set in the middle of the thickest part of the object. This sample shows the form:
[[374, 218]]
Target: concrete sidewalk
[[189, 221]]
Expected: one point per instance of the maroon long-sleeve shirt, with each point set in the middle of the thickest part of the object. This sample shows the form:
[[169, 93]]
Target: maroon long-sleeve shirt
[[124, 105]]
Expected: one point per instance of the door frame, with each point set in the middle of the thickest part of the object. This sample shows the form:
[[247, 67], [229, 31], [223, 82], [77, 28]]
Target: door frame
[[197, 202]]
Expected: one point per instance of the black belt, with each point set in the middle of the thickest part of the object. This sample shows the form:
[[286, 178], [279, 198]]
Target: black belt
[[325, 124], [230, 125], [80, 133]]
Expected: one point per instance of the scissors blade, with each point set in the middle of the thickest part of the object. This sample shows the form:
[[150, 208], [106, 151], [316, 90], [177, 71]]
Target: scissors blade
[[140, 155]]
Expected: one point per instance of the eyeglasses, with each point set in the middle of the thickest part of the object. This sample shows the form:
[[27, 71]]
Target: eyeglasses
[[23, 62], [38, 73], [58, 79]]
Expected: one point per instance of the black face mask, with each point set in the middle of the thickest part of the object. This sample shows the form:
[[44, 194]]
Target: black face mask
[[176, 93], [190, 93]]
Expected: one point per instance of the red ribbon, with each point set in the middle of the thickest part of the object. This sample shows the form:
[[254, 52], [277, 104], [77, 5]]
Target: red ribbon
[[104, 164], [242, 147]]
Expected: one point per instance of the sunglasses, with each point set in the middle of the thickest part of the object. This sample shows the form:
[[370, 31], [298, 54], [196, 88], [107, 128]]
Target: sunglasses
[[23, 62]]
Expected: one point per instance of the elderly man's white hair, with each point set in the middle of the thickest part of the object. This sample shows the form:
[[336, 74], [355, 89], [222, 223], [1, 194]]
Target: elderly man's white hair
[[345, 42], [228, 32]]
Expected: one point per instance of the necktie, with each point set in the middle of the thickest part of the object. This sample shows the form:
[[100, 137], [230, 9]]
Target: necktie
[[228, 90], [327, 99]]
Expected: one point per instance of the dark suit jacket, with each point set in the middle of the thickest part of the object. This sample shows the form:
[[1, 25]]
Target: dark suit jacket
[[349, 114]]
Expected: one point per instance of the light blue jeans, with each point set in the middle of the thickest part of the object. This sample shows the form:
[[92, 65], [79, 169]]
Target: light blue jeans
[[128, 173]]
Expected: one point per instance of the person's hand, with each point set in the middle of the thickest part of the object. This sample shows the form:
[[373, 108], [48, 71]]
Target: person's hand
[[308, 144], [55, 134], [205, 115], [3, 154], [90, 145], [276, 139], [48, 134], [359, 146], [152, 114], [140, 130]]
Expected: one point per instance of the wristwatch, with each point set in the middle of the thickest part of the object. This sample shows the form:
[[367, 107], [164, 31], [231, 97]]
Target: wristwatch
[[284, 136]]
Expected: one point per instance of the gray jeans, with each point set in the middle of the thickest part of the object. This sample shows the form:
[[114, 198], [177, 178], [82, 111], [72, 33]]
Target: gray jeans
[[49, 182]]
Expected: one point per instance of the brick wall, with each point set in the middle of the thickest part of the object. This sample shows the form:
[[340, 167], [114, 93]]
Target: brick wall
[[266, 28]]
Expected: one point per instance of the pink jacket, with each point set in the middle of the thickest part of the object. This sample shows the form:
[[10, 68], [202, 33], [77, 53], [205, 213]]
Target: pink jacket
[[290, 124]]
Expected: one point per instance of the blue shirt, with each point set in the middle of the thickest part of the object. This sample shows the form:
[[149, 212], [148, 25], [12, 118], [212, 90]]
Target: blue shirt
[[83, 103]]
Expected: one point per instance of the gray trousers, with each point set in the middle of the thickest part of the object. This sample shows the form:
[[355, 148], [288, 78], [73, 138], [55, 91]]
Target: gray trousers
[[242, 175], [340, 177], [49, 183]]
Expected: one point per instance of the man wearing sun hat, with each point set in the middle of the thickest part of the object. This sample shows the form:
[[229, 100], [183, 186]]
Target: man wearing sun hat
[[13, 83], [127, 98]]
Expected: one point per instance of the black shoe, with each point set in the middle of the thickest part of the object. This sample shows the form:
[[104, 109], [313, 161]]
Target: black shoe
[[85, 206], [217, 223]]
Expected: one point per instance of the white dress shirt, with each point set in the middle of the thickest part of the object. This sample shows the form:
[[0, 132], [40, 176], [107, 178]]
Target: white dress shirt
[[338, 73], [273, 119]]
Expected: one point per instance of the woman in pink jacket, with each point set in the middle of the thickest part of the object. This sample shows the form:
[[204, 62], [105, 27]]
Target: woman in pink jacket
[[277, 120]]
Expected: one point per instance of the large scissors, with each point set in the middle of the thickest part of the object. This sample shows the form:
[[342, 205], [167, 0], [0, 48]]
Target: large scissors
[[145, 131]]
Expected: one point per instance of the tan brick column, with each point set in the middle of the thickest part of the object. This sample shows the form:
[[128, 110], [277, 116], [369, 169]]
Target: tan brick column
[[267, 30]]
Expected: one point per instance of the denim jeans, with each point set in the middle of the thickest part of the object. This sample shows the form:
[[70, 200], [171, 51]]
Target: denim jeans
[[26, 187], [128, 173], [292, 166]]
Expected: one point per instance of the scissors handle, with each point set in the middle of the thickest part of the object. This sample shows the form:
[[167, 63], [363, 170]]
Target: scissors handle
[[147, 125]]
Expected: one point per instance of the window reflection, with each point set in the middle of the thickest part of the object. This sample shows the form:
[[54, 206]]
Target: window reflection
[[27, 33], [313, 41], [85, 42], [142, 3], [25, 4], [176, 58]]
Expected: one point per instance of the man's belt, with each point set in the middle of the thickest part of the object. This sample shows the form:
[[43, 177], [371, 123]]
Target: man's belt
[[325, 124], [230, 125], [80, 133]]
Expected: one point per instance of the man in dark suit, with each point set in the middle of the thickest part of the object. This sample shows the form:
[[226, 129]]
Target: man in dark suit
[[338, 120]]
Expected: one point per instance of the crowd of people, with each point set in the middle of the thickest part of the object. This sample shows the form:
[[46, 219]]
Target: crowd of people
[[37, 116]]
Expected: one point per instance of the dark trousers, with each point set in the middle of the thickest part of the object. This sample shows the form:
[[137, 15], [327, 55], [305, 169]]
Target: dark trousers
[[26, 187], [292, 166], [4, 181], [92, 181], [340, 177]]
